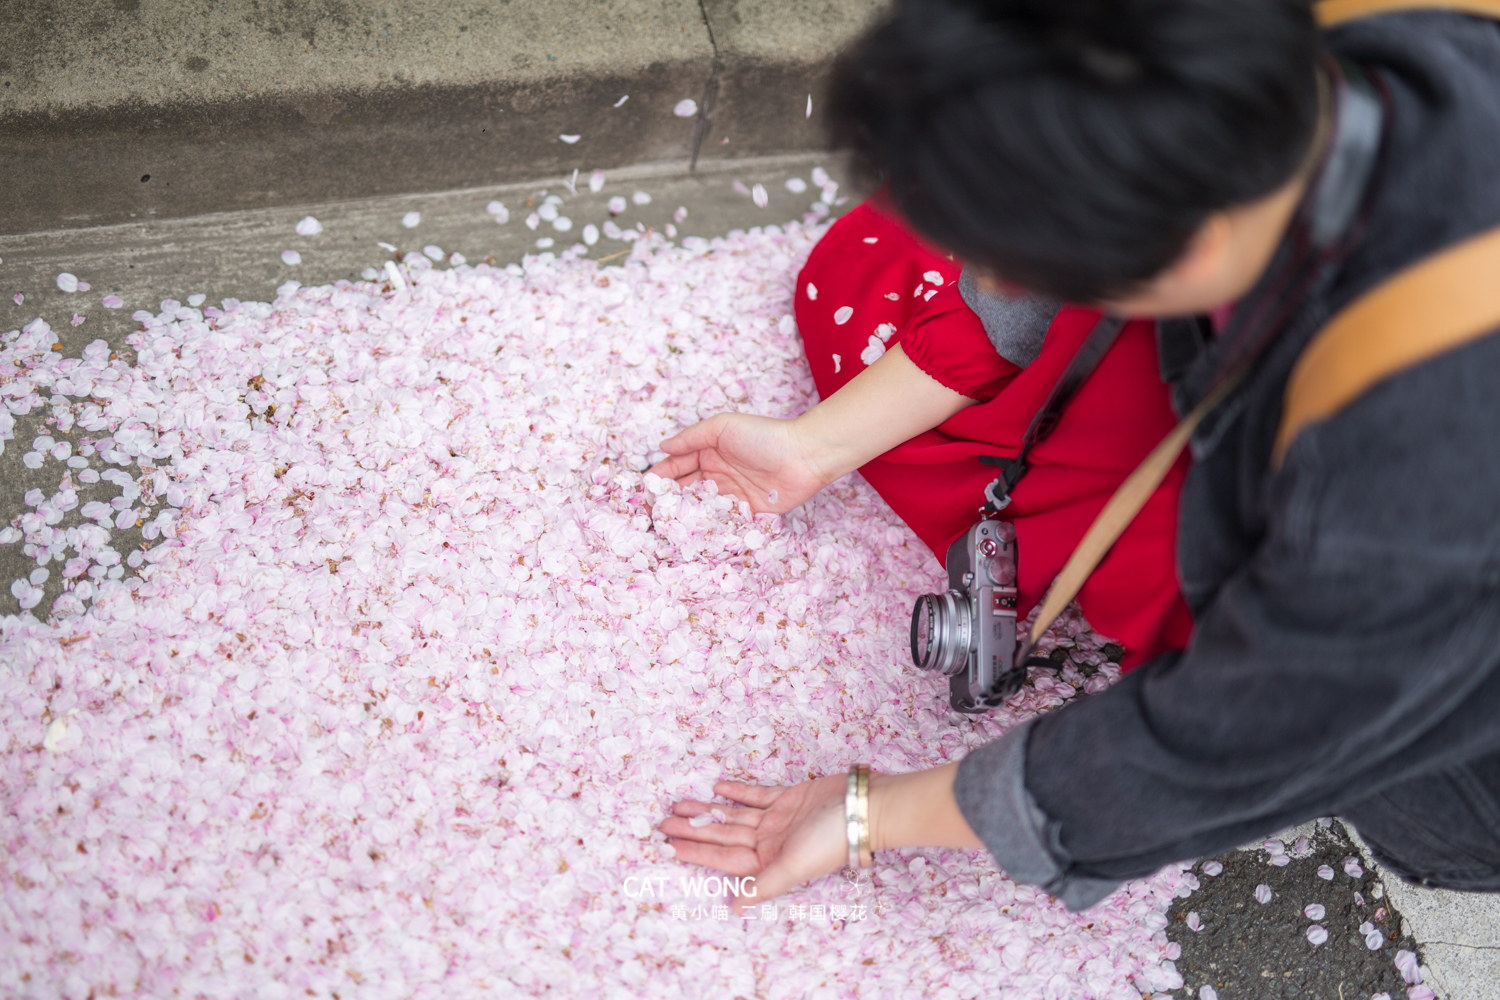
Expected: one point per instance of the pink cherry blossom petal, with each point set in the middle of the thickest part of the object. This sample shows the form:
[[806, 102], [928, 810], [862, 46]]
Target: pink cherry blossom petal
[[1262, 894], [1213, 868], [112, 302], [1317, 934], [1313, 911], [685, 108], [842, 314], [309, 226]]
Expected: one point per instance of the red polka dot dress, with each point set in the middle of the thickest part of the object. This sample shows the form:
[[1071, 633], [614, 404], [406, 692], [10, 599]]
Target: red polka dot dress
[[869, 285]]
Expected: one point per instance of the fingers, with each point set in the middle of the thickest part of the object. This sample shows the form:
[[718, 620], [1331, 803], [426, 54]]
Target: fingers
[[723, 834], [704, 434], [757, 796], [730, 860], [742, 817], [676, 466]]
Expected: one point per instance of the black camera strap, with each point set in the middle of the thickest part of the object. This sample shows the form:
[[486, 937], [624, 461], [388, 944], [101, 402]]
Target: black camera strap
[[1100, 339]]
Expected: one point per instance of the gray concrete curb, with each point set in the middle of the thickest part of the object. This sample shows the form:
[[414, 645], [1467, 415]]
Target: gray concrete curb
[[177, 108]]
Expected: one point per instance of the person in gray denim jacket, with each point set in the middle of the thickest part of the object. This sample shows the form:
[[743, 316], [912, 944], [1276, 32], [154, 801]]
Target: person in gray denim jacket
[[1223, 165]]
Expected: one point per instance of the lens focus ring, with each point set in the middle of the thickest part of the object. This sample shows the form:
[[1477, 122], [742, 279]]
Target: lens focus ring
[[942, 632]]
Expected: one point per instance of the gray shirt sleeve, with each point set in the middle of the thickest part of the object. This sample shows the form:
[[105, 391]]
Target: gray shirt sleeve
[[991, 793], [1016, 327]]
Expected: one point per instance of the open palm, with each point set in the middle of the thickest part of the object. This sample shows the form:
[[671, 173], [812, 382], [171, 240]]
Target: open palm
[[756, 459], [784, 836]]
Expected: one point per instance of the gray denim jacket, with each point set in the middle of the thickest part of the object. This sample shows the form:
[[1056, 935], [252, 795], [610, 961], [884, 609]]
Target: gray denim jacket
[[1348, 604]]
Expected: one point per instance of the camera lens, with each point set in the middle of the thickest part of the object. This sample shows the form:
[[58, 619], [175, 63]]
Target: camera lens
[[942, 627]]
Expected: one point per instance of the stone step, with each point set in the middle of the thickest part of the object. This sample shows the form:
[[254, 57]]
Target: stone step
[[136, 109]]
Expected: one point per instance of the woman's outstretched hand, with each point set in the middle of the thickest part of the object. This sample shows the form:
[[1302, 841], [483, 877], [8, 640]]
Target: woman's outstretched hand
[[783, 836], [759, 460], [776, 465]]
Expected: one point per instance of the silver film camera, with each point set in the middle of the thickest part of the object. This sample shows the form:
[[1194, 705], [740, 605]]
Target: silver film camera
[[969, 632]]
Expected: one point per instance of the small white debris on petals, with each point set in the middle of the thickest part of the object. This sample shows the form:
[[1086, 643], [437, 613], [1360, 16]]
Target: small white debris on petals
[[893, 296], [872, 239], [111, 302], [1213, 868], [57, 729], [394, 274], [67, 282], [885, 331], [616, 205], [596, 181], [686, 108], [622, 100], [1313, 911], [1207, 992], [309, 227], [679, 215], [1262, 894], [812, 291], [838, 363], [759, 196], [929, 295], [590, 234], [933, 278], [1352, 868], [872, 351], [641, 198], [1194, 922], [411, 220], [842, 314], [1317, 934], [1325, 873], [570, 139], [918, 290], [291, 257], [796, 185]]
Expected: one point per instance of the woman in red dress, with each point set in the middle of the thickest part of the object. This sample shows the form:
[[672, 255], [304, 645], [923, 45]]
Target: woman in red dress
[[916, 390]]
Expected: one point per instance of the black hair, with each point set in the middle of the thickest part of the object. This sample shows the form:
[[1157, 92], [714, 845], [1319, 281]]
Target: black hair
[[1075, 146]]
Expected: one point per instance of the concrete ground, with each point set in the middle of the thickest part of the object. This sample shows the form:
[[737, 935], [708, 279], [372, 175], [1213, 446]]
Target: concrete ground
[[120, 110]]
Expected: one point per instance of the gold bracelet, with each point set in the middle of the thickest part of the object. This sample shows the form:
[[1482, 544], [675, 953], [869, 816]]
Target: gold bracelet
[[851, 816], [866, 852]]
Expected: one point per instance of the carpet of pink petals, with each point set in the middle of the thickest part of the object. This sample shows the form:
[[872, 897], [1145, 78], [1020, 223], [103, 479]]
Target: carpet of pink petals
[[420, 657]]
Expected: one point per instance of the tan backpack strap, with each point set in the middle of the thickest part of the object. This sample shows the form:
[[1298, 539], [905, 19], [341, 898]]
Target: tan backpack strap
[[1120, 511], [1333, 12], [1440, 303]]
